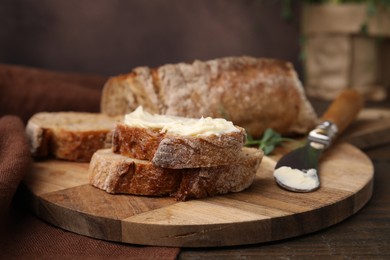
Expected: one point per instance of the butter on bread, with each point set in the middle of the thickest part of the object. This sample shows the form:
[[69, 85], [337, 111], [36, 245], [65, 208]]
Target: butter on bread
[[117, 173], [254, 93], [177, 142], [73, 136]]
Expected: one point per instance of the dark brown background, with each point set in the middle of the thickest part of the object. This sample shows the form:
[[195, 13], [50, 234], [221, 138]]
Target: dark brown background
[[112, 37]]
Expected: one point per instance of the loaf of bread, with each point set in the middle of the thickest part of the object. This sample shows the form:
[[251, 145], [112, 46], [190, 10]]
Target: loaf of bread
[[73, 136], [177, 142], [253, 93], [117, 173]]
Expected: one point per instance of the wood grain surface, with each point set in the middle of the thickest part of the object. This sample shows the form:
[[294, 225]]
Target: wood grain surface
[[365, 235], [371, 129], [61, 195]]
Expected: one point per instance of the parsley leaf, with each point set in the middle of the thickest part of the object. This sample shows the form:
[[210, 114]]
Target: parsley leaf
[[268, 142]]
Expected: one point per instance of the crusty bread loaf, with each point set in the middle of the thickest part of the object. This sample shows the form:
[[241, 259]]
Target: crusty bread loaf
[[251, 92], [116, 173], [165, 144], [73, 136]]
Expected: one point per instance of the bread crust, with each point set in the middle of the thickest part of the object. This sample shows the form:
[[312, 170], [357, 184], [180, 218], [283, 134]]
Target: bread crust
[[251, 92], [120, 174], [177, 151], [116, 173], [67, 135], [39, 139], [208, 182], [78, 146]]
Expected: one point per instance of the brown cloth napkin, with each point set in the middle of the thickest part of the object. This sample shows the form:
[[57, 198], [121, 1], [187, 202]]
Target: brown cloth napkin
[[26, 91], [15, 159], [23, 92]]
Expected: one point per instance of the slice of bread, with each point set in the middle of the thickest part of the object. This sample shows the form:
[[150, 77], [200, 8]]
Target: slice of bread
[[73, 136], [254, 93], [207, 182], [116, 173], [177, 143]]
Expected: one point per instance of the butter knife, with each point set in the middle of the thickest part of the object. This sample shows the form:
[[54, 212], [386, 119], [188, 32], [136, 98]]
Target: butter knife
[[298, 170]]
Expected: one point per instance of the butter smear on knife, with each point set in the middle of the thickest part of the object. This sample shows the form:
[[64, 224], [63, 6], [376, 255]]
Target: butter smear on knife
[[296, 178]]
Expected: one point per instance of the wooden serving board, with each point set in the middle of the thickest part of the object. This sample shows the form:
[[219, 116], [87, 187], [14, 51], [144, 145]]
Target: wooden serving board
[[370, 129], [60, 194]]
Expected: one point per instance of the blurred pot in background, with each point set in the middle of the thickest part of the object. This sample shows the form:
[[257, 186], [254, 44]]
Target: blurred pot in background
[[346, 45]]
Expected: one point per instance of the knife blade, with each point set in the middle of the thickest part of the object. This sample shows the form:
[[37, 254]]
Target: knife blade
[[298, 170]]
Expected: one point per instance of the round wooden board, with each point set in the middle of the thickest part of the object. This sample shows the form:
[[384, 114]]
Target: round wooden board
[[61, 195]]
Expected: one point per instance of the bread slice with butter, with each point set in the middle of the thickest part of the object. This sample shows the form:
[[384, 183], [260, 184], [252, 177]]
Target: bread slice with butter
[[72, 136], [177, 142], [117, 173], [254, 93]]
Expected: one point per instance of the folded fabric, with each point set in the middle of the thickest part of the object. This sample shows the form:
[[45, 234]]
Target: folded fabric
[[23, 92], [15, 159]]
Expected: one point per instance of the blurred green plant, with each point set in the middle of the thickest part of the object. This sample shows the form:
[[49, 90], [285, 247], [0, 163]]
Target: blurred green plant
[[268, 142], [371, 5]]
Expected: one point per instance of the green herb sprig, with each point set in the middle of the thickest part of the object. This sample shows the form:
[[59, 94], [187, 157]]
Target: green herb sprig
[[268, 142]]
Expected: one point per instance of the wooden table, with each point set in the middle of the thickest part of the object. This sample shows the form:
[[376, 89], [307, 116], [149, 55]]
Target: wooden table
[[365, 234]]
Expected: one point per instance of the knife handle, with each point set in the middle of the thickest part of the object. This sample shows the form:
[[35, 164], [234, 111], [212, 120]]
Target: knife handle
[[344, 109]]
